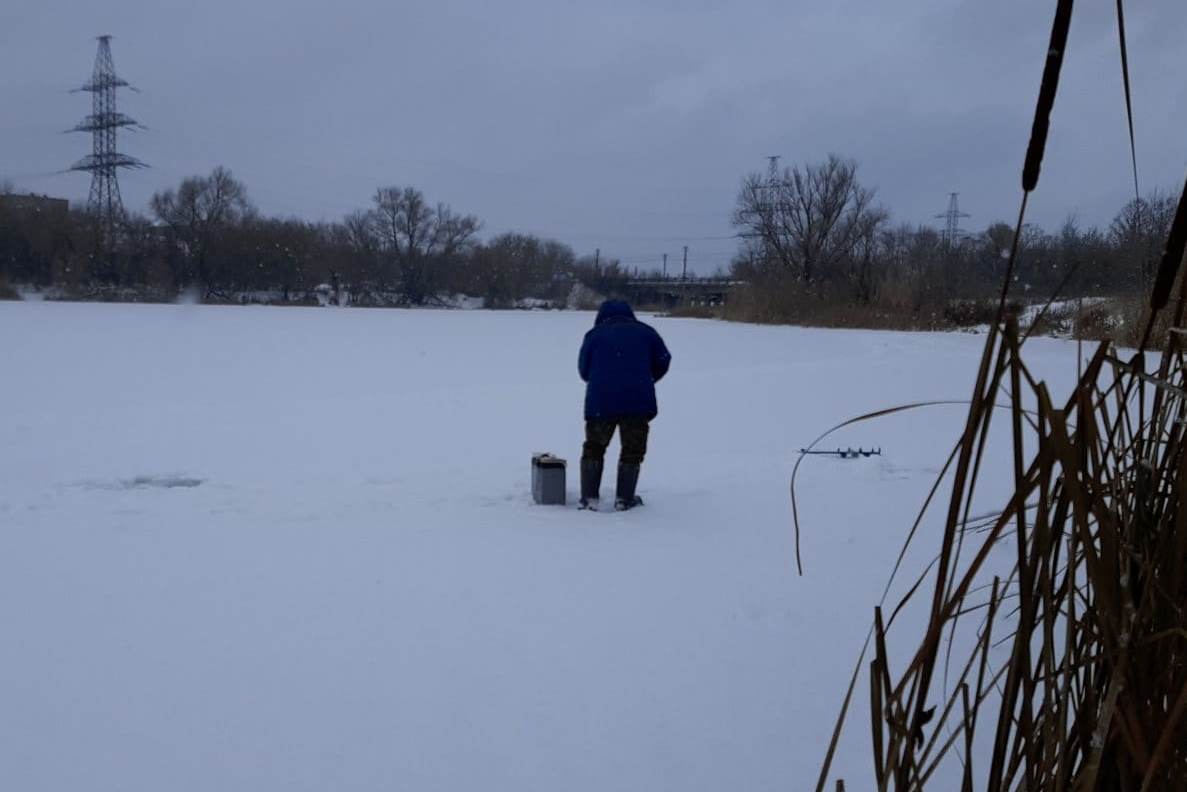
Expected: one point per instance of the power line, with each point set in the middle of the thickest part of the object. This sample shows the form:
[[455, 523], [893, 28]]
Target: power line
[[633, 238]]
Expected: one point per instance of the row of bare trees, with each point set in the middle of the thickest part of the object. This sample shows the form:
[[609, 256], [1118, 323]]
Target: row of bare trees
[[815, 241], [207, 234]]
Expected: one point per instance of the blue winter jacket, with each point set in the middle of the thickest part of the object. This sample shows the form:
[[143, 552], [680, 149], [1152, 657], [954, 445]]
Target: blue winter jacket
[[621, 360]]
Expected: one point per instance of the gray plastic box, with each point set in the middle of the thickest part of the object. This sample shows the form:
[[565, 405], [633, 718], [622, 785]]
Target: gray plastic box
[[548, 480]]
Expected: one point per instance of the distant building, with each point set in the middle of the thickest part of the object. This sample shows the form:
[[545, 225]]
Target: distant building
[[34, 204]]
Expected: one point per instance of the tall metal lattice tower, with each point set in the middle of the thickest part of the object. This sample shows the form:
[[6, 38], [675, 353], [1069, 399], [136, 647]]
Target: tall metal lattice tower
[[771, 188], [952, 219], [105, 160]]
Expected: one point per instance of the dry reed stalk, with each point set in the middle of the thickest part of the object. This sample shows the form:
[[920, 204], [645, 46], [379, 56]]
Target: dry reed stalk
[[1093, 693]]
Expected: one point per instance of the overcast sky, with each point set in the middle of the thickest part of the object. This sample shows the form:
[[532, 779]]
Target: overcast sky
[[624, 125]]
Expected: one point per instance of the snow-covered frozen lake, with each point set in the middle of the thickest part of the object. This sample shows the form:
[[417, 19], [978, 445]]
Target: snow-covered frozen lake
[[294, 549]]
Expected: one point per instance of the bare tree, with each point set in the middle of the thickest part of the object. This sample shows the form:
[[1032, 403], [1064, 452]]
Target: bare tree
[[198, 213], [514, 266], [861, 264], [416, 237], [359, 235], [912, 258], [809, 220], [1141, 227]]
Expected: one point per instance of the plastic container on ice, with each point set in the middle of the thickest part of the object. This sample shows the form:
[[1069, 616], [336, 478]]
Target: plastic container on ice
[[548, 480]]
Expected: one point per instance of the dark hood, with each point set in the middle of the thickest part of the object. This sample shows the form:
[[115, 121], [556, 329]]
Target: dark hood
[[613, 309]]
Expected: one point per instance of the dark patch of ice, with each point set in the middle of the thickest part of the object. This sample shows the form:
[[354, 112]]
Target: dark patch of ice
[[160, 482]]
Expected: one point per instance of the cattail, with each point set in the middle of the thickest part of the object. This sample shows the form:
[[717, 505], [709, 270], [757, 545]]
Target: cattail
[[1042, 122]]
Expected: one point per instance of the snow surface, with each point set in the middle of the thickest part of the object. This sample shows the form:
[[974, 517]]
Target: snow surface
[[250, 548]]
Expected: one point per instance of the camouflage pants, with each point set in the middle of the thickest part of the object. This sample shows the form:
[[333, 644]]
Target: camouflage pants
[[631, 432]]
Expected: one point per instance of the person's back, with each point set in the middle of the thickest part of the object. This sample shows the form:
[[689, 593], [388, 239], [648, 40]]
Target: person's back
[[621, 359]]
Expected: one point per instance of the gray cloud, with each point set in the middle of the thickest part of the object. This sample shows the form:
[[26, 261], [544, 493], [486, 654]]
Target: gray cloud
[[620, 125]]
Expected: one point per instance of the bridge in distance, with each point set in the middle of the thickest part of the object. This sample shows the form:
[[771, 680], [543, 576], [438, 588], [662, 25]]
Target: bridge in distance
[[672, 292]]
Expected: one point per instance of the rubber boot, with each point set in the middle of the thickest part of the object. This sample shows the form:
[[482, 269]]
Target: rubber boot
[[591, 483], [628, 478]]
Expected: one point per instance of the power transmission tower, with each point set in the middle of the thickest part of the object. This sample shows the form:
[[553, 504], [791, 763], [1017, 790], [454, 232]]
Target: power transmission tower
[[104, 203], [773, 179], [952, 220]]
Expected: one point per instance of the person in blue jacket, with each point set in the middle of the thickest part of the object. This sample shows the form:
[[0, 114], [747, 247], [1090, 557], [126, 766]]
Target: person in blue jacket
[[621, 359]]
